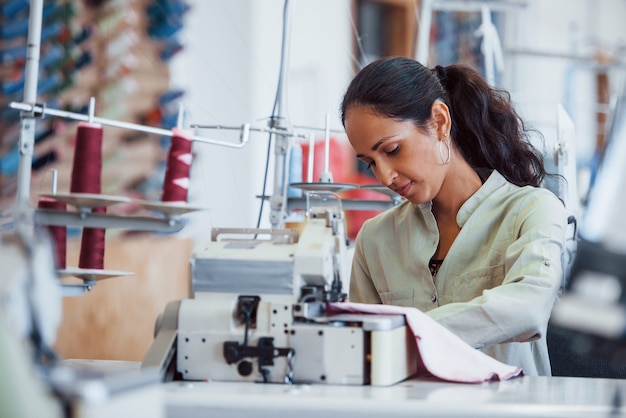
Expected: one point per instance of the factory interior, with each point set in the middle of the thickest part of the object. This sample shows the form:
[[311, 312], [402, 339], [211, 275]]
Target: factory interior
[[182, 212]]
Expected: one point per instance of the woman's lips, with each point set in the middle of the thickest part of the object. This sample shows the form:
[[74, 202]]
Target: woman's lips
[[404, 189]]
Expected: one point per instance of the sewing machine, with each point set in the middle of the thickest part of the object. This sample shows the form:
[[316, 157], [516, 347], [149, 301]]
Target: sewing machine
[[258, 314]]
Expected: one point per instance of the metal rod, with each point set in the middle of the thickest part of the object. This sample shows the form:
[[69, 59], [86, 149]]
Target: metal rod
[[92, 109], [281, 92], [423, 38], [55, 175], [282, 139], [615, 60], [126, 125], [294, 203], [488, 32], [314, 128], [309, 177], [326, 176], [97, 220], [254, 129], [180, 121], [327, 143], [476, 5], [27, 123]]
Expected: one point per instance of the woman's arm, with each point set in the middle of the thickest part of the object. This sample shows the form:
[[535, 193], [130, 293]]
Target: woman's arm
[[519, 309], [362, 288]]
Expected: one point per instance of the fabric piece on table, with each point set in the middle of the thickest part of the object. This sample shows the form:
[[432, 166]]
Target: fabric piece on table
[[443, 354]]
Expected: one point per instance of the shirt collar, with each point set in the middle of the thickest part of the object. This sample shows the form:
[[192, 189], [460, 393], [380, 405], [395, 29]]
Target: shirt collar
[[493, 182]]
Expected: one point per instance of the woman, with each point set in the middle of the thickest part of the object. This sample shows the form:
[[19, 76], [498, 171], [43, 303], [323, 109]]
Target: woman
[[477, 243]]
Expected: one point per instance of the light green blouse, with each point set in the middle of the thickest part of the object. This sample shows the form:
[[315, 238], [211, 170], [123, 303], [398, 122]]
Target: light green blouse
[[499, 281]]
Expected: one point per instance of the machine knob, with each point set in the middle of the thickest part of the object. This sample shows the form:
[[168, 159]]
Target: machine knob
[[232, 354], [244, 368]]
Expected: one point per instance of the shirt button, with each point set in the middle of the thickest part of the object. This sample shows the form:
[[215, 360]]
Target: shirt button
[[433, 298], [546, 263]]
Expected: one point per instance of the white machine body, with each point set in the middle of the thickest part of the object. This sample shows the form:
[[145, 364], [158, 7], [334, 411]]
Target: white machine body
[[258, 314]]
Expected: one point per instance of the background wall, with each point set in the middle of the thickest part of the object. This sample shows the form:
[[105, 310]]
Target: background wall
[[230, 72]]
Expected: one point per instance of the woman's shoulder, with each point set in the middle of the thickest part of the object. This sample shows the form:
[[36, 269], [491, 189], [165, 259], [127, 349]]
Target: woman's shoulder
[[536, 202], [537, 195], [497, 193], [528, 193]]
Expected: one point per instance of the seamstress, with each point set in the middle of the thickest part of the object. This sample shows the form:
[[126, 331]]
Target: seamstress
[[477, 243]]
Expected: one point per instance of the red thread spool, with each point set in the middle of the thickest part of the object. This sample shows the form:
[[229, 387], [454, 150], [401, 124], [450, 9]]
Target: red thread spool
[[176, 183], [87, 168], [86, 178], [92, 246], [57, 233]]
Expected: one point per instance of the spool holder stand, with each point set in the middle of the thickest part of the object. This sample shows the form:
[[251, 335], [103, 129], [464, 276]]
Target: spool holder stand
[[84, 217]]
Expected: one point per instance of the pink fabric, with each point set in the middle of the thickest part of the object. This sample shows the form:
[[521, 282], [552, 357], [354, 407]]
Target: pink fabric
[[442, 353]]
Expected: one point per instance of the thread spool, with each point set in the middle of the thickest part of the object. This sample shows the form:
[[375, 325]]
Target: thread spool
[[87, 164], [178, 168], [92, 246], [57, 233], [86, 178]]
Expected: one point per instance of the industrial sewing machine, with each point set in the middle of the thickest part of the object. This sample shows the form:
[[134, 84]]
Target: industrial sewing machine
[[259, 314]]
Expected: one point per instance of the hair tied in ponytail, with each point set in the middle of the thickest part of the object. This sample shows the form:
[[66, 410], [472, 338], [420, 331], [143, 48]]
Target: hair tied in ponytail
[[442, 74]]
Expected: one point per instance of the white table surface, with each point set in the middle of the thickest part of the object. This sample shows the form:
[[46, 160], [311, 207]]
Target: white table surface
[[528, 396], [568, 397]]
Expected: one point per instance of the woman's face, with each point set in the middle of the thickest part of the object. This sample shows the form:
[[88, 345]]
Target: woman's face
[[402, 157]]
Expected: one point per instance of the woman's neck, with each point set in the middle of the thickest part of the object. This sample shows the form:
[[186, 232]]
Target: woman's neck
[[460, 184]]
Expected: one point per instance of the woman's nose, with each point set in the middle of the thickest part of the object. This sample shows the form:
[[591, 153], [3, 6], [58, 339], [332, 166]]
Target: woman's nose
[[385, 174]]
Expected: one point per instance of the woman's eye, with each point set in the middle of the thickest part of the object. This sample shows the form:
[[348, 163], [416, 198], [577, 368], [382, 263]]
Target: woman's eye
[[393, 151]]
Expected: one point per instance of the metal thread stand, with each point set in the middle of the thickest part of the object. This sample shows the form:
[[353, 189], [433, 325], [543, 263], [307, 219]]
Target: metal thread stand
[[24, 216]]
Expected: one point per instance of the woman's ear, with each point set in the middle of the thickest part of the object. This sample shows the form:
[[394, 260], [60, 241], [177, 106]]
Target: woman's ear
[[441, 116]]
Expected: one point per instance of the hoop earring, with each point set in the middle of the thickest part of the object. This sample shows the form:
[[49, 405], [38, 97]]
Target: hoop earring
[[446, 160]]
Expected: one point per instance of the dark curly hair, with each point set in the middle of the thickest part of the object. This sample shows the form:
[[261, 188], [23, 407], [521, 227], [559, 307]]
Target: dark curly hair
[[486, 129]]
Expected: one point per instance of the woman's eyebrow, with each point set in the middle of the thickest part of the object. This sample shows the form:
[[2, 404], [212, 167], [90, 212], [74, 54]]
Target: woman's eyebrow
[[376, 146]]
